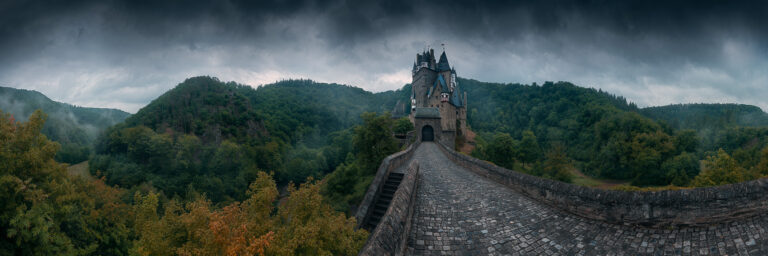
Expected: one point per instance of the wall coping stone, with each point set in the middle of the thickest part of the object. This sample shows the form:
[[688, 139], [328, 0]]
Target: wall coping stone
[[387, 165], [684, 207], [391, 234]]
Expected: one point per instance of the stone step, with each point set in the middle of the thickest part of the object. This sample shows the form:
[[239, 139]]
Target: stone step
[[383, 203], [391, 186]]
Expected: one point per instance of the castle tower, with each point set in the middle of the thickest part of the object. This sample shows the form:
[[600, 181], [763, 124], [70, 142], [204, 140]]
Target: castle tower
[[434, 85]]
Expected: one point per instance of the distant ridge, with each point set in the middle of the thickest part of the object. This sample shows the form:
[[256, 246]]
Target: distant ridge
[[65, 121], [699, 116], [75, 128]]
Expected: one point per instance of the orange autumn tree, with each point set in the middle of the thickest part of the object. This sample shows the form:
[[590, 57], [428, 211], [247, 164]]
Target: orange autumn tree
[[308, 226], [302, 225], [44, 211]]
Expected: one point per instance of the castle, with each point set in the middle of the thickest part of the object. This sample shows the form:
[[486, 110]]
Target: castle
[[438, 106]]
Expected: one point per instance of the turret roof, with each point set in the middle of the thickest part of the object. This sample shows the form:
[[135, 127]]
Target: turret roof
[[443, 65], [456, 98], [443, 85]]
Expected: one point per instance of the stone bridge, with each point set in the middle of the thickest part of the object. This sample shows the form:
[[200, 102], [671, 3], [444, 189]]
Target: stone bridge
[[451, 204]]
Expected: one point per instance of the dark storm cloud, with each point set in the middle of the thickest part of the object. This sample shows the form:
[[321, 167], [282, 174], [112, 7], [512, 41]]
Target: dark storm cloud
[[125, 53]]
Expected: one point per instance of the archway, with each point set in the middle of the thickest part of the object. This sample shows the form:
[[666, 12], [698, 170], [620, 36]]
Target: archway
[[427, 133]]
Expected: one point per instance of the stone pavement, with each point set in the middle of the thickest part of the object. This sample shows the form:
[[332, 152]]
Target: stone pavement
[[461, 213]]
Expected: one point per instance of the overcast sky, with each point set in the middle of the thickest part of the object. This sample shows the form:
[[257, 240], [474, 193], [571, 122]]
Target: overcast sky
[[123, 54]]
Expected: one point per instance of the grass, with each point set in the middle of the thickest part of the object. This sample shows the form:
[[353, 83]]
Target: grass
[[581, 179], [81, 170], [585, 181]]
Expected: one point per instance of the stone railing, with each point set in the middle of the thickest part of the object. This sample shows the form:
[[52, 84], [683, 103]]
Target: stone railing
[[686, 207], [389, 163], [390, 236]]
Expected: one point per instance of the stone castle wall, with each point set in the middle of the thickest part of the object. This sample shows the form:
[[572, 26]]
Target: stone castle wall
[[687, 207], [421, 86], [391, 235], [389, 164], [448, 138]]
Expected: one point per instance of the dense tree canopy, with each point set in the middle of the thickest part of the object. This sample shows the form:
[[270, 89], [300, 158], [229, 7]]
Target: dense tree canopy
[[212, 137], [75, 128], [607, 137], [47, 212]]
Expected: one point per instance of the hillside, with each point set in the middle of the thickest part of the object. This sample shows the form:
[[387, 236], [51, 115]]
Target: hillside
[[210, 136], [553, 129], [75, 128], [525, 126], [702, 116]]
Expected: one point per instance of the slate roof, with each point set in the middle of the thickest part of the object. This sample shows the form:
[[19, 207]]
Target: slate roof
[[427, 113], [443, 64], [456, 97], [443, 85]]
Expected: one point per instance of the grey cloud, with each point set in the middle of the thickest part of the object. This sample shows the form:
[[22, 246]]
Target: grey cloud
[[125, 53]]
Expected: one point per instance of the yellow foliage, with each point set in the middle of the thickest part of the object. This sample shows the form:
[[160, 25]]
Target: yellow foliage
[[302, 225], [720, 170]]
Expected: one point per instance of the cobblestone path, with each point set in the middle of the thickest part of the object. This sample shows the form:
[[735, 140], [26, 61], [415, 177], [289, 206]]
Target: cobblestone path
[[461, 213]]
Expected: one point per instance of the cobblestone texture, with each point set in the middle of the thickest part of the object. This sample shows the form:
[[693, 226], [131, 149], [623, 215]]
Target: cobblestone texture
[[461, 213]]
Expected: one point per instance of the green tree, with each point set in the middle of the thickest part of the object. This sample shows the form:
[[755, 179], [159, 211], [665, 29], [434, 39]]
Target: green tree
[[503, 150], [721, 169], [529, 149], [373, 140], [686, 141], [47, 212], [556, 165], [681, 168], [403, 126], [762, 167]]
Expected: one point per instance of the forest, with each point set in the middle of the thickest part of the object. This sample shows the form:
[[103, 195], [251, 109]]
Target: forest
[[209, 168], [75, 128], [211, 137], [212, 167], [48, 212], [552, 129]]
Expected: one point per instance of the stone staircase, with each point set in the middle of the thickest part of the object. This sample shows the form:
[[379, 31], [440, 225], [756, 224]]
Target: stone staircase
[[381, 205]]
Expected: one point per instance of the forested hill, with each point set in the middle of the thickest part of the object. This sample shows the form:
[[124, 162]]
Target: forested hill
[[703, 116], [550, 108], [291, 110], [209, 136], [602, 134], [76, 128], [551, 129], [66, 123]]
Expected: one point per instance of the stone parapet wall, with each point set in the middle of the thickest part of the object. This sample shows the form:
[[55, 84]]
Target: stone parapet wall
[[391, 235], [686, 207], [389, 164]]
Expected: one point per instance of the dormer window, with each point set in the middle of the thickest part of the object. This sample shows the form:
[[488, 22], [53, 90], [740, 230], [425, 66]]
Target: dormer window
[[444, 97]]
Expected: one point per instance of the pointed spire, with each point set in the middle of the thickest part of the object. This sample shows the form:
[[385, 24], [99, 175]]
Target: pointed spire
[[443, 64]]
